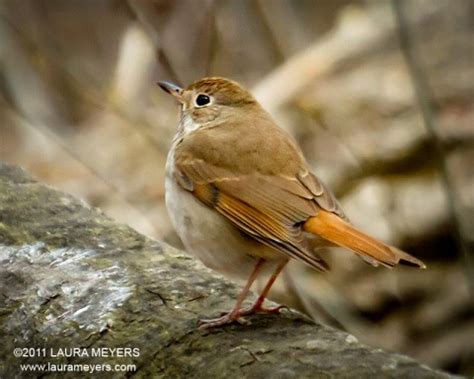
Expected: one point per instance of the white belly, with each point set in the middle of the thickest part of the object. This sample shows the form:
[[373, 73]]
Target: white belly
[[210, 237]]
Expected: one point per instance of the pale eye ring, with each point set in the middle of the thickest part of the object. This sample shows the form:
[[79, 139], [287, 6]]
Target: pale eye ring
[[202, 100]]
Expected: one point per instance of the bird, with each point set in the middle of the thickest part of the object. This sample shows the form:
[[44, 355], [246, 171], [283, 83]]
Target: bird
[[243, 199]]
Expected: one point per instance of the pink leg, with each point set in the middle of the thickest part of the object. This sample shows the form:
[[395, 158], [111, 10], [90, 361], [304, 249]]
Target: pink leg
[[236, 312], [257, 307]]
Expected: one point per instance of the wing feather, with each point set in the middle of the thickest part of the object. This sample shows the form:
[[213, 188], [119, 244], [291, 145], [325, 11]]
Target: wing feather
[[261, 206]]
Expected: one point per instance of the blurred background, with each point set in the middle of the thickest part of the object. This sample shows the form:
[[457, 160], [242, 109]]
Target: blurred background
[[379, 94]]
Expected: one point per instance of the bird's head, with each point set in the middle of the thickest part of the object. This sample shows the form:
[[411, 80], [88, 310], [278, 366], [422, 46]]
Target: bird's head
[[210, 98]]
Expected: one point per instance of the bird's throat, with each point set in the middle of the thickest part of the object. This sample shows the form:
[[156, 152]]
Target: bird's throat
[[187, 124]]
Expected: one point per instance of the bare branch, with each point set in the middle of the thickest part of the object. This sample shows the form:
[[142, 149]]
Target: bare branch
[[424, 102], [356, 35]]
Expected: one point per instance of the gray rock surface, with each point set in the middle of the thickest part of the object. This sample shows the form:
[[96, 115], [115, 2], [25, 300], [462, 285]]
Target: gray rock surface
[[70, 277]]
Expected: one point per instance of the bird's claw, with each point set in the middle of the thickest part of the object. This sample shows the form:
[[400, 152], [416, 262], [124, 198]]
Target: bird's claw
[[236, 316], [260, 309], [228, 318]]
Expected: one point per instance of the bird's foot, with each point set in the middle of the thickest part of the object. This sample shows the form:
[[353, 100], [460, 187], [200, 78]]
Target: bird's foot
[[236, 316], [228, 318], [259, 308]]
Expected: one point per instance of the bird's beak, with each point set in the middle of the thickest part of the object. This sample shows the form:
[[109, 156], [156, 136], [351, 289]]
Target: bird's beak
[[172, 89]]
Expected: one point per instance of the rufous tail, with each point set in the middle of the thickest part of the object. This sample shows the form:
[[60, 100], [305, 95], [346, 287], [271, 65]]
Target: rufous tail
[[334, 229]]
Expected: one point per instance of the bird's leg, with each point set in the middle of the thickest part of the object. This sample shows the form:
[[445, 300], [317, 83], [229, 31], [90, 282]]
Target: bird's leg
[[236, 312], [258, 307]]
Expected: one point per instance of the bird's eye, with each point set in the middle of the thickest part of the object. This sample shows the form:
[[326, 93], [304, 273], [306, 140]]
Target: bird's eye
[[202, 100]]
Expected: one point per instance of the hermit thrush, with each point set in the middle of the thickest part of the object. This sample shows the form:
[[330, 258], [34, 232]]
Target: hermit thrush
[[242, 197]]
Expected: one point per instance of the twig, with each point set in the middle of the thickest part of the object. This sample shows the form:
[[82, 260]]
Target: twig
[[213, 40], [72, 152], [46, 117], [423, 98], [273, 43], [139, 11], [356, 36]]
